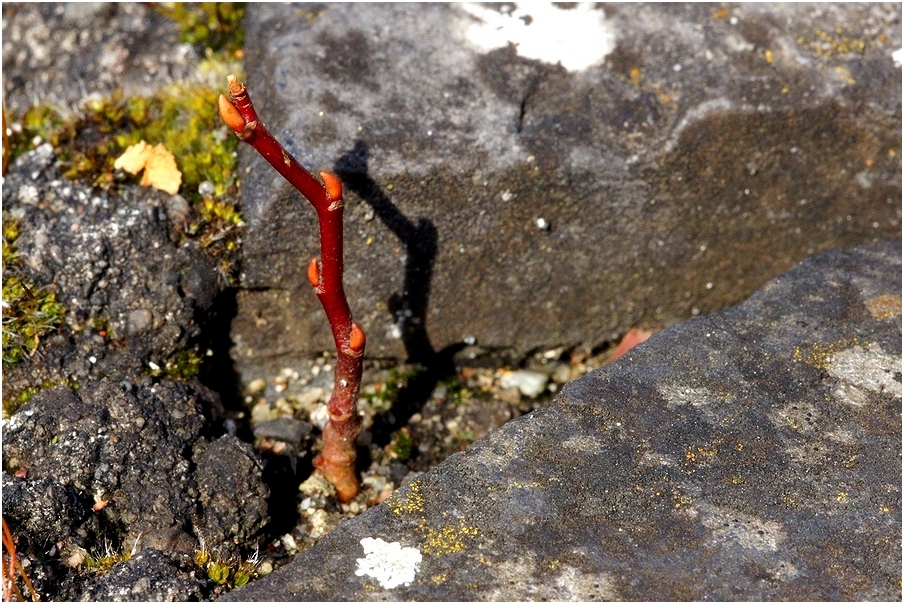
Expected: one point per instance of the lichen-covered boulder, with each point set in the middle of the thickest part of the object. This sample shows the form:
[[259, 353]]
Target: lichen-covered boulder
[[754, 454], [525, 177]]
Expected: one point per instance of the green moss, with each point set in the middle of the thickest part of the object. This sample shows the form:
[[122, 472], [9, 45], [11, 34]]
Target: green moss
[[402, 444], [12, 401], [213, 25], [218, 572], [103, 563], [29, 312], [183, 365], [232, 572], [382, 396], [182, 117], [457, 393]]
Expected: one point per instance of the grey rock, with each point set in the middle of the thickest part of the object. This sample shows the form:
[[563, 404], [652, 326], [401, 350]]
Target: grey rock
[[149, 576], [290, 430], [231, 493], [63, 53], [754, 454], [45, 508], [711, 149], [124, 448]]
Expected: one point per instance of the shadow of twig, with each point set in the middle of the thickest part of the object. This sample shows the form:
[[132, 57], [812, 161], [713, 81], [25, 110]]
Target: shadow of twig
[[409, 308]]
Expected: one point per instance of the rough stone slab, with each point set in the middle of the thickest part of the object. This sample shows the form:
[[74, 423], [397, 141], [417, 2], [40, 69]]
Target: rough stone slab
[[62, 53], [712, 148], [754, 454]]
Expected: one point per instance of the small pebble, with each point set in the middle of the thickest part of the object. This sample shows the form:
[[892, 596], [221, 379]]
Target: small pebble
[[206, 188], [530, 384], [256, 386]]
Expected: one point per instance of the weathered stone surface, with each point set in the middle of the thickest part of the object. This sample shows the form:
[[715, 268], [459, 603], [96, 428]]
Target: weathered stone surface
[[754, 454], [109, 451], [112, 263], [523, 203], [150, 576], [231, 493], [61, 53]]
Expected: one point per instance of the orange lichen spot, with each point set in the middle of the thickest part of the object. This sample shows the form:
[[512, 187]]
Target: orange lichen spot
[[333, 185], [635, 75], [768, 55], [230, 115], [357, 339], [313, 273], [722, 13]]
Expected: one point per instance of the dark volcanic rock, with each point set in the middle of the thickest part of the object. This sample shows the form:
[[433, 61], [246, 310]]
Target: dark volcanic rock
[[150, 576], [122, 446], [111, 262], [754, 454], [232, 495], [496, 194], [105, 426]]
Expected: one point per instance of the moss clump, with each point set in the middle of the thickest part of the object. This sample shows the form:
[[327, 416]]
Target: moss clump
[[402, 444], [182, 365], [37, 125], [184, 119], [213, 25], [29, 312], [382, 395], [232, 572], [13, 401], [104, 562]]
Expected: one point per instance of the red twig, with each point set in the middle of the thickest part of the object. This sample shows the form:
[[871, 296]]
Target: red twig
[[9, 570], [337, 460]]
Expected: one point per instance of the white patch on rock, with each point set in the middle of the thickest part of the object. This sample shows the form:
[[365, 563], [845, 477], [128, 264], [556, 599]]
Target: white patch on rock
[[747, 531], [678, 395], [584, 443], [391, 564], [576, 37], [862, 371]]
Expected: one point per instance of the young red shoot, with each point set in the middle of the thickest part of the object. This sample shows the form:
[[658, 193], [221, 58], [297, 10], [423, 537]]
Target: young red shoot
[[337, 460], [9, 570]]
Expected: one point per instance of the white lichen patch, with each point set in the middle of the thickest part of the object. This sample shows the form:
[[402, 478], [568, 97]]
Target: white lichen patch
[[703, 400], [747, 531], [799, 416], [584, 443], [865, 370], [576, 585], [391, 564], [575, 37], [679, 395]]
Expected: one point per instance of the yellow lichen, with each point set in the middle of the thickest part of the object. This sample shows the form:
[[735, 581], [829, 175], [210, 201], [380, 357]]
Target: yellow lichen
[[410, 502], [446, 540], [836, 42], [885, 306], [817, 355]]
